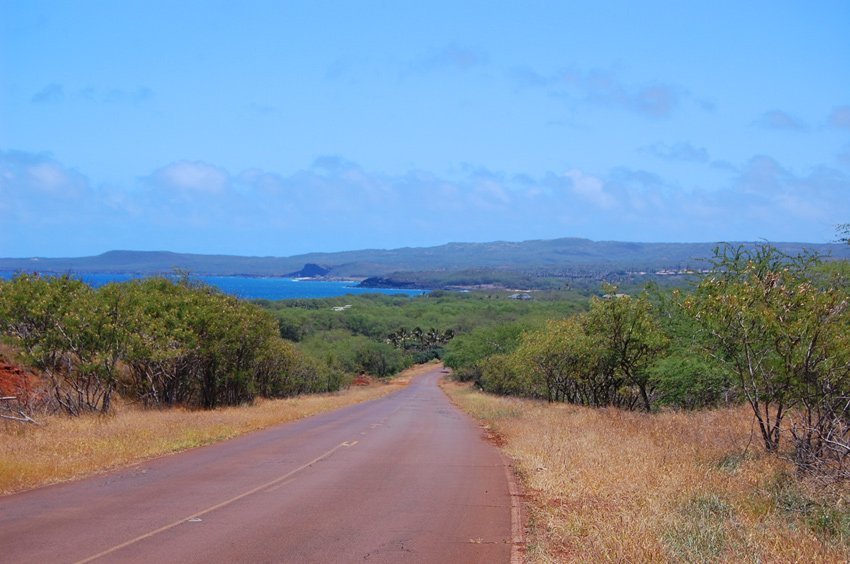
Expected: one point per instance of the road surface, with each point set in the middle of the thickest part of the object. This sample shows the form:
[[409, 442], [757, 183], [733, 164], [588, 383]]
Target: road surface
[[406, 478]]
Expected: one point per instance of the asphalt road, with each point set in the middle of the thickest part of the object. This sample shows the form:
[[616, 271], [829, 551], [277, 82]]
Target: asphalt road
[[406, 478]]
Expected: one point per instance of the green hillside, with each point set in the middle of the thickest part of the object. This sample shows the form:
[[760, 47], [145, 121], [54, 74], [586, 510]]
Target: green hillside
[[450, 264]]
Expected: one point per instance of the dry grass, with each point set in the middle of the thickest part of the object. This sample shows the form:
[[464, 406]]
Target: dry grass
[[64, 448], [608, 485]]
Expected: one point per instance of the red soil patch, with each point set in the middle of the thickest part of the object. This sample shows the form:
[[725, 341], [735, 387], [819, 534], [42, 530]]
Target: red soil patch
[[18, 383], [363, 380]]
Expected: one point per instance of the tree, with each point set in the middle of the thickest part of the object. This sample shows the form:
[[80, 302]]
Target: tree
[[375, 358], [465, 353], [630, 340], [685, 376], [781, 331], [74, 336], [561, 361], [157, 341]]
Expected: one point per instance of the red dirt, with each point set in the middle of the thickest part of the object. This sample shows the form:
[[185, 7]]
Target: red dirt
[[363, 380], [17, 382]]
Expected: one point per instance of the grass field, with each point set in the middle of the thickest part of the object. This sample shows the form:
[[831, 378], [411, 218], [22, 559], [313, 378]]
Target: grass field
[[608, 485], [64, 448]]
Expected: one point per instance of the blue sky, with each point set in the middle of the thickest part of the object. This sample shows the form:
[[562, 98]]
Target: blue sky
[[276, 128]]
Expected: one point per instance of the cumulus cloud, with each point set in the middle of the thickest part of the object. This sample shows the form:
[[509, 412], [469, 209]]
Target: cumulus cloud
[[590, 188], [42, 200], [337, 204], [784, 199], [681, 151], [762, 198], [840, 117], [777, 119], [266, 183], [32, 174], [50, 94], [190, 176], [763, 175]]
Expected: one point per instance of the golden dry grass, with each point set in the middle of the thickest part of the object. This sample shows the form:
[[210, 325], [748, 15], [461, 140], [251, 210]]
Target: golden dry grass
[[63, 448], [609, 485]]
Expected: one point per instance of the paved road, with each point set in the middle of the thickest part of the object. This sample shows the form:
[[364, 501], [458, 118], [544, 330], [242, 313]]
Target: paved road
[[406, 478]]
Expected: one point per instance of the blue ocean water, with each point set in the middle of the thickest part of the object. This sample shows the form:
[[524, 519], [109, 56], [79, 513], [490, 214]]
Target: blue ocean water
[[257, 288]]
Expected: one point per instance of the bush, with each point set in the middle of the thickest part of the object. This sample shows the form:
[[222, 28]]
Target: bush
[[158, 341]]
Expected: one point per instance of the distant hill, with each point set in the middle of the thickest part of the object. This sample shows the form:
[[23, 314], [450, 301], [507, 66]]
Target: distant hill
[[310, 271], [567, 257]]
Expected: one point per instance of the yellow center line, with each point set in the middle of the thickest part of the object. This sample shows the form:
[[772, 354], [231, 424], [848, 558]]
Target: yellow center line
[[212, 508]]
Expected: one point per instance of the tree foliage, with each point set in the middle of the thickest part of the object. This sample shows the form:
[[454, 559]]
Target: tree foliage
[[630, 339], [466, 353], [74, 336], [157, 341], [781, 329], [601, 357], [560, 361]]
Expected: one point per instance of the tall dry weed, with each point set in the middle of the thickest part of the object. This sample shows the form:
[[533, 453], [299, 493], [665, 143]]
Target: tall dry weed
[[612, 485]]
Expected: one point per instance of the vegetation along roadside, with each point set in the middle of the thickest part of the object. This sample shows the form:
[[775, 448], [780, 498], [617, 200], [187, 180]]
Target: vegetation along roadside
[[706, 422], [628, 486]]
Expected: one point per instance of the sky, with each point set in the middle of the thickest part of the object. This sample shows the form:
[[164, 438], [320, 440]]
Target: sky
[[274, 128]]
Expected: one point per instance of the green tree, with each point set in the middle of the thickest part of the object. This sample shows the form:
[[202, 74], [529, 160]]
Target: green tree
[[685, 376], [466, 353], [373, 357], [630, 339], [783, 334], [500, 374], [561, 361], [74, 336]]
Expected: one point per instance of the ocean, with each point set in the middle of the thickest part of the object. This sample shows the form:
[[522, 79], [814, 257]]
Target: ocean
[[251, 288]]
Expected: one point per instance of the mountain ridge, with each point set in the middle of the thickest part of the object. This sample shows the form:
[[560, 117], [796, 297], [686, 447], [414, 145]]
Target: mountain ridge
[[550, 257]]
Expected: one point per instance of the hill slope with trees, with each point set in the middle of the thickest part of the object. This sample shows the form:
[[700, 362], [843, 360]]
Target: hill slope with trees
[[539, 263]]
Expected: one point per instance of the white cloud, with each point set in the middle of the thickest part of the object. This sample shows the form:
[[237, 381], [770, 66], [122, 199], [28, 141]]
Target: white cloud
[[26, 173], [820, 195], [192, 176], [48, 177], [590, 188], [336, 204]]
